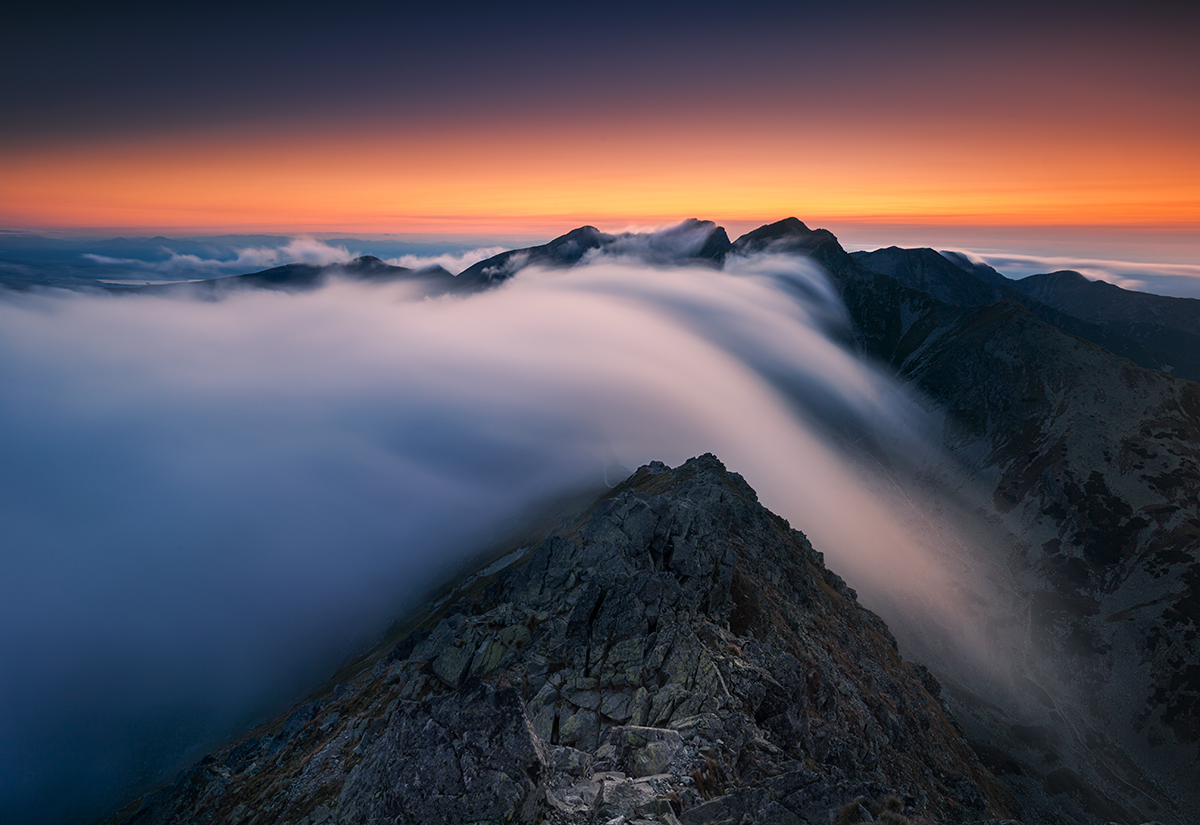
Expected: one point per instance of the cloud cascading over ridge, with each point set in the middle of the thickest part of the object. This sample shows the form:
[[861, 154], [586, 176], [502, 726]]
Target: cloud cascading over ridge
[[209, 504], [454, 262]]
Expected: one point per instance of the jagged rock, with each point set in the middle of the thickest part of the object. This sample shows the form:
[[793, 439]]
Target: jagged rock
[[641, 751], [467, 756]]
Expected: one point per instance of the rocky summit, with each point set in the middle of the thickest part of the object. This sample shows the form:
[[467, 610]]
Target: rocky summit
[[675, 653]]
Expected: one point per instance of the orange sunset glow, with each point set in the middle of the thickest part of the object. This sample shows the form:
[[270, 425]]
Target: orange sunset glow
[[446, 182], [869, 114]]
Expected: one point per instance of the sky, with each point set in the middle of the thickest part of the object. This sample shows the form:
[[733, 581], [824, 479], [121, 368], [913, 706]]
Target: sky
[[526, 120]]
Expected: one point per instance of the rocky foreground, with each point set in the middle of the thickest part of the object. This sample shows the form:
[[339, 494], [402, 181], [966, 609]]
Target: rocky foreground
[[677, 654]]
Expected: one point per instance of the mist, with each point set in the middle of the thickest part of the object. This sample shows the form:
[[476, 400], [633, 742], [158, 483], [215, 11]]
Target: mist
[[209, 505]]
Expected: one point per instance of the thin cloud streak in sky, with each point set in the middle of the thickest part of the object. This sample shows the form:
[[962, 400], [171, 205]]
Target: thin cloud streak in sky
[[208, 505], [250, 259]]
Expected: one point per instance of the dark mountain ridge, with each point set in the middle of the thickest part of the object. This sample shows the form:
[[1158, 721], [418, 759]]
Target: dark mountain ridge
[[692, 241], [1093, 464], [1090, 300], [1160, 324]]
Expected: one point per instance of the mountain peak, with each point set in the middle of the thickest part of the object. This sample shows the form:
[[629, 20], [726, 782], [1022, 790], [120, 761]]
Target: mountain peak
[[1066, 276], [678, 649]]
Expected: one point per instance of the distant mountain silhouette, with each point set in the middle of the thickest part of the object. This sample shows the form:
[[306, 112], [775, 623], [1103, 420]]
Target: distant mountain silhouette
[[300, 277]]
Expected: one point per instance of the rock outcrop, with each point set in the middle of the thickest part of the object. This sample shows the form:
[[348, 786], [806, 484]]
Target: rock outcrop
[[678, 654]]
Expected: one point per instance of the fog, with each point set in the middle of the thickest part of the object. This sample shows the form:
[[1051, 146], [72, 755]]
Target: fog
[[209, 505]]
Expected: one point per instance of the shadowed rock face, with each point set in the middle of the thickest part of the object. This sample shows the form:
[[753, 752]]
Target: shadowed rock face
[[679, 654]]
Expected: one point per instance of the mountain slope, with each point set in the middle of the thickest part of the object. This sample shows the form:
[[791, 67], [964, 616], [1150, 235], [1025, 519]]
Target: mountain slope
[[1124, 324], [1093, 464], [674, 654], [932, 272], [1100, 301]]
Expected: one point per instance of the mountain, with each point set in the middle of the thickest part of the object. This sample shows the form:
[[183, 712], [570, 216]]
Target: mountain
[[1072, 459], [1125, 323], [675, 653], [566, 250], [1168, 325], [1100, 301], [1093, 465], [934, 273]]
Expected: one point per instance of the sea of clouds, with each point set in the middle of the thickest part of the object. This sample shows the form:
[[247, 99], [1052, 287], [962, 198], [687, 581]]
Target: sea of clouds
[[208, 506]]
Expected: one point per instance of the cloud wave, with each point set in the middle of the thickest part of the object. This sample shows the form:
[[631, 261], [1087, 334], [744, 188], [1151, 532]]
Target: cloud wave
[[454, 262]]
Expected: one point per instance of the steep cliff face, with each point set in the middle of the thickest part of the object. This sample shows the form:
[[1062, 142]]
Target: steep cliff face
[[677, 654], [1095, 464]]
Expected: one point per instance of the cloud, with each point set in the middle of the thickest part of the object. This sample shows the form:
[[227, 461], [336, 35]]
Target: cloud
[[208, 505], [1178, 280], [454, 262]]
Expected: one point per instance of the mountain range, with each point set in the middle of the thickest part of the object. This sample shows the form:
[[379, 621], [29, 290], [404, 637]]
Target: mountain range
[[674, 652]]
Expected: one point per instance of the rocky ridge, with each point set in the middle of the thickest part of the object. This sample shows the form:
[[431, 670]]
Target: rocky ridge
[[1092, 464], [675, 654]]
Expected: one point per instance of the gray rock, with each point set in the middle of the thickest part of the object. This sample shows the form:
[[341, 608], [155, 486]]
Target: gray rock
[[644, 751], [683, 656], [467, 756]]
